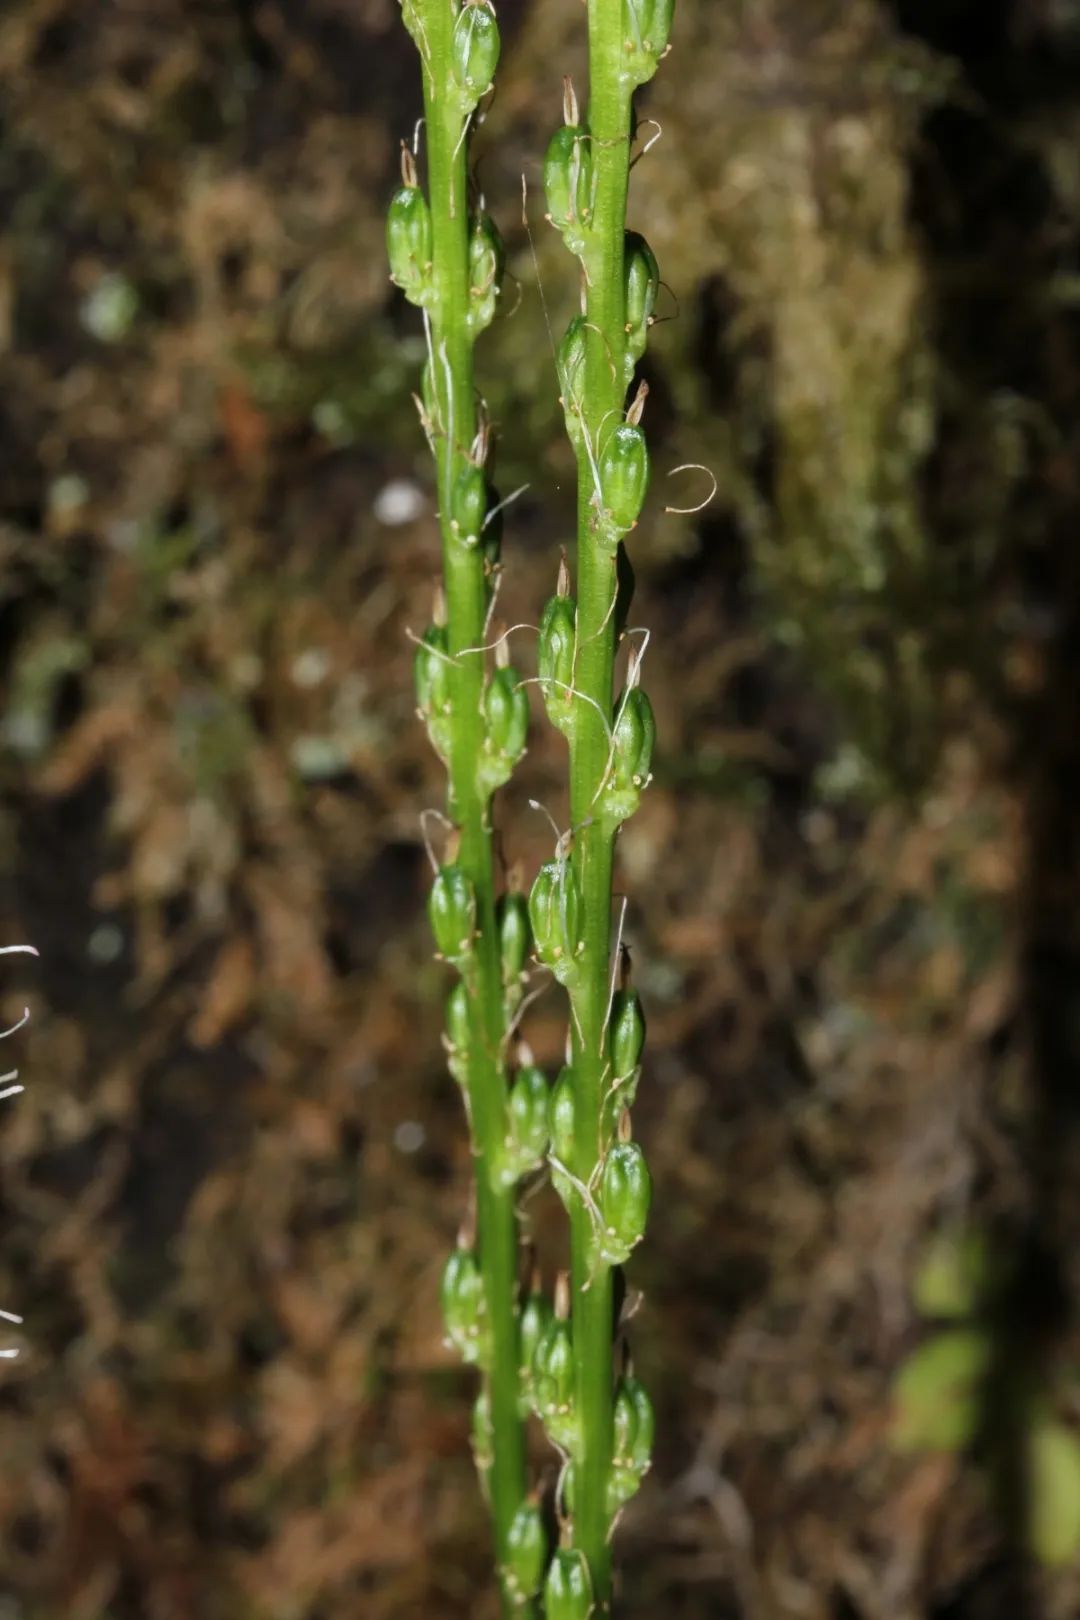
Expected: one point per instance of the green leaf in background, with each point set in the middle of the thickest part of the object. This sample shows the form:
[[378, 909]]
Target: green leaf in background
[[1055, 1494], [954, 1276], [936, 1393]]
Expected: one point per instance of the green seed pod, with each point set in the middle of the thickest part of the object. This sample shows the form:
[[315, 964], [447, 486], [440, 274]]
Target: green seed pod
[[535, 1317], [487, 257], [624, 1199], [562, 1118], [642, 286], [408, 242], [555, 914], [506, 713], [553, 1375], [635, 737], [432, 671], [624, 479], [515, 936], [626, 1037], [634, 1425], [452, 912], [555, 660], [646, 31], [483, 1434], [463, 1304], [469, 504], [570, 364], [474, 51], [457, 1032], [631, 757], [527, 1125], [568, 1588], [568, 184], [526, 1554]]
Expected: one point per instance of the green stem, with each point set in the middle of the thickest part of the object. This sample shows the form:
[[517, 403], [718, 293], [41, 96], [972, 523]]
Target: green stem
[[466, 600], [604, 393]]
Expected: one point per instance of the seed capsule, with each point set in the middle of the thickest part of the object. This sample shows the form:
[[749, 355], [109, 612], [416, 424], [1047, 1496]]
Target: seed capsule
[[570, 364], [526, 1554], [431, 671], [634, 1425], [457, 1032], [452, 911], [647, 25], [468, 504], [408, 241], [555, 660], [483, 1434], [555, 914], [553, 1381], [631, 757], [527, 1124], [642, 286], [562, 1118], [568, 1588], [624, 479], [568, 184], [474, 51], [535, 1317], [627, 1033], [463, 1304], [515, 936], [625, 1196], [487, 257], [506, 713]]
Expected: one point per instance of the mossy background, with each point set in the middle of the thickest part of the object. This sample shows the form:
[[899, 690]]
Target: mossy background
[[855, 884]]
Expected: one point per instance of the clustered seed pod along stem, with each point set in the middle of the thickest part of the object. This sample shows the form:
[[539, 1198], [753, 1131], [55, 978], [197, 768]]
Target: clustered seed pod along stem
[[605, 1182], [557, 1357], [446, 255]]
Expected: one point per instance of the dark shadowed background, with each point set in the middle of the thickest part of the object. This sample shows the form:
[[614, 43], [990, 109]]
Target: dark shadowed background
[[226, 1195]]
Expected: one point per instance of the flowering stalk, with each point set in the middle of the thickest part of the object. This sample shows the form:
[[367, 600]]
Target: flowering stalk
[[604, 1429], [447, 257]]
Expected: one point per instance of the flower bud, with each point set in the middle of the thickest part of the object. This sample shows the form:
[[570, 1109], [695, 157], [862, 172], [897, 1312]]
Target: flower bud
[[553, 1379], [527, 1125], [624, 479], [474, 51], [555, 660], [452, 911], [526, 1554], [642, 285], [487, 256], [555, 914], [506, 713], [562, 1119], [469, 504], [568, 184], [408, 241], [568, 1588], [631, 757], [647, 29], [463, 1305], [624, 1199], [515, 936], [570, 364]]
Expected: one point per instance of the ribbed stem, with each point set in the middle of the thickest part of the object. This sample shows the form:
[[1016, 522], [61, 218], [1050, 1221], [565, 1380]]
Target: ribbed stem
[[609, 126], [466, 601]]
